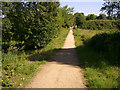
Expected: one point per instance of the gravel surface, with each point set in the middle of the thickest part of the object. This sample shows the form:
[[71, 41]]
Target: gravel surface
[[62, 71]]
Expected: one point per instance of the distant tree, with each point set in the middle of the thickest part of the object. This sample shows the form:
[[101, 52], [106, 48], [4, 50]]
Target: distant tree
[[102, 16], [82, 13], [79, 19], [110, 18], [68, 16], [111, 8], [118, 16], [91, 17], [76, 14]]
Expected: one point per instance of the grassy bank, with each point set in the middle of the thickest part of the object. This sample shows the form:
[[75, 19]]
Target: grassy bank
[[20, 66], [98, 70]]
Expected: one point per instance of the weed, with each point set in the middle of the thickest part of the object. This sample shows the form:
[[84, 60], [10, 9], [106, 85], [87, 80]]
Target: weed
[[18, 67], [99, 69]]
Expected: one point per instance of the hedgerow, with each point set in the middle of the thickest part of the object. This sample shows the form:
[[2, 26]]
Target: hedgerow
[[34, 23], [30, 22], [106, 42], [100, 24]]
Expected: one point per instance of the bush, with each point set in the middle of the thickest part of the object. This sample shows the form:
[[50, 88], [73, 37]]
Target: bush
[[118, 23], [30, 22], [100, 24], [79, 19], [106, 42], [15, 67], [91, 17], [102, 16], [111, 18]]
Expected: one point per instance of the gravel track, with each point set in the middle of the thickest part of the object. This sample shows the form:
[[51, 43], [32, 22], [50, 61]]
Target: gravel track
[[62, 71]]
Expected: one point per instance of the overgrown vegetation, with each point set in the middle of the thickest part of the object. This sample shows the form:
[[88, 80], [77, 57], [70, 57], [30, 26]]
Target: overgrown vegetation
[[91, 17], [16, 69], [33, 23], [32, 32], [101, 24], [108, 43], [30, 22], [19, 67], [101, 69], [79, 19]]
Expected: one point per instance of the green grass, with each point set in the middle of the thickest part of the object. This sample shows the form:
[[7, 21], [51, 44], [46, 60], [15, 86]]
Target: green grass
[[19, 67], [98, 70]]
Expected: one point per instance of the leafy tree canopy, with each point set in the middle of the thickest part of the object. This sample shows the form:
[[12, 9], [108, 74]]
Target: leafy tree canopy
[[112, 8], [91, 17]]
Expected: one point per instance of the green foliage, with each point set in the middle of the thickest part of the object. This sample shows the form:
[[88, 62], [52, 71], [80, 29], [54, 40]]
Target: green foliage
[[31, 22], [111, 8], [15, 67], [100, 78], [18, 67], [100, 24], [118, 17], [118, 23], [51, 48], [91, 17], [79, 19], [111, 18], [68, 16], [34, 23], [106, 42], [60, 18], [100, 69], [102, 16], [6, 30]]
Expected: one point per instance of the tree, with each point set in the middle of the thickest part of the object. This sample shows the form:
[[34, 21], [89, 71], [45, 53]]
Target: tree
[[102, 16], [68, 16], [110, 18], [60, 18], [91, 17], [111, 8], [31, 22], [79, 19], [118, 16]]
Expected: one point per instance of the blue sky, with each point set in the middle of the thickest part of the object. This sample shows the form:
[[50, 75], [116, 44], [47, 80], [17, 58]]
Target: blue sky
[[91, 7]]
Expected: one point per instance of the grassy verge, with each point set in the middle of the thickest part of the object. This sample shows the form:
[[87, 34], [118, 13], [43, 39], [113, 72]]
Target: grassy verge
[[19, 67], [98, 70]]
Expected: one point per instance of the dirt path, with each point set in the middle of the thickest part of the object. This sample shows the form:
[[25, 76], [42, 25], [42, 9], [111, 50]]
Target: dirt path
[[62, 71]]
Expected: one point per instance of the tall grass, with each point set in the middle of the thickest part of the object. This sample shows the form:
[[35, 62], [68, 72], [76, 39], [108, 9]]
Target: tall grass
[[20, 66], [99, 71]]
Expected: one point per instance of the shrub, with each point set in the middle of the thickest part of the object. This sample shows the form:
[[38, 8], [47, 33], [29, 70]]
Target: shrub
[[102, 16], [118, 23], [30, 22], [79, 19], [91, 17], [106, 42], [111, 18], [15, 67], [100, 24]]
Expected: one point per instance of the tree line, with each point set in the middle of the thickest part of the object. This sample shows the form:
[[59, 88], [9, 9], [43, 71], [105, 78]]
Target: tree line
[[34, 24], [112, 9]]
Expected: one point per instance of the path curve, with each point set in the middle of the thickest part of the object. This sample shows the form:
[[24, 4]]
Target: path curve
[[62, 71]]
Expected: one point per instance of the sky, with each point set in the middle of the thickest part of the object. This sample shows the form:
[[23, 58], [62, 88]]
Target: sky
[[87, 7]]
